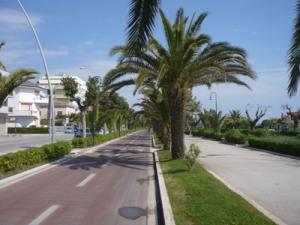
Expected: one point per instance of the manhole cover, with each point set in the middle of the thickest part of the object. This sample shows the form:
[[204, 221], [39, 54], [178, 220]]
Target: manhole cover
[[132, 213]]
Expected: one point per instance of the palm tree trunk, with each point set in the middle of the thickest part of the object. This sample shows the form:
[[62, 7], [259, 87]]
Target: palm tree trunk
[[83, 121], [176, 102], [166, 138]]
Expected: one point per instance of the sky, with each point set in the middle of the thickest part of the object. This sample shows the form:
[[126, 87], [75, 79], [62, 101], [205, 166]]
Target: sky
[[78, 34]]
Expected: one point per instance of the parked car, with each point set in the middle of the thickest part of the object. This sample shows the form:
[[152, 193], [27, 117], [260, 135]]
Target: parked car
[[79, 133], [69, 130]]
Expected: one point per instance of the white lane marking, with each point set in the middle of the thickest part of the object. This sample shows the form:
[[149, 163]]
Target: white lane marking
[[86, 180], [44, 215], [117, 154]]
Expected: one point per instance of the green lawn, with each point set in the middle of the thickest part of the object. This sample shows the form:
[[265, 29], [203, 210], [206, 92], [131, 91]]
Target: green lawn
[[198, 198]]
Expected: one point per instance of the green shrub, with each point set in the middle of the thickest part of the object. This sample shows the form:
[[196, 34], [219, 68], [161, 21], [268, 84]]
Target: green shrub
[[88, 141], [28, 130], [207, 133], [289, 146], [235, 136], [261, 132], [298, 136], [191, 156], [245, 131], [24, 159]]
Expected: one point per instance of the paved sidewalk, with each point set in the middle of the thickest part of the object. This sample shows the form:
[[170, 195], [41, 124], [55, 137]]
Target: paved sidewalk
[[270, 180]]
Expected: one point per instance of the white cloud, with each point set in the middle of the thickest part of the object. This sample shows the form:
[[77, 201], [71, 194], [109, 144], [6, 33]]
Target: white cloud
[[11, 19], [12, 56], [93, 68], [58, 52]]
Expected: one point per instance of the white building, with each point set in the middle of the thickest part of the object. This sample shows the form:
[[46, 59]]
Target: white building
[[23, 105], [58, 89]]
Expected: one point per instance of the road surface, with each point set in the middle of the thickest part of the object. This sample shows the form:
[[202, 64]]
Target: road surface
[[21, 142], [270, 180], [107, 187]]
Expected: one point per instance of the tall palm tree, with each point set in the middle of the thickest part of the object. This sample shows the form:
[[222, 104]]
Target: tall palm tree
[[13, 80], [189, 59], [294, 56], [142, 15], [155, 107]]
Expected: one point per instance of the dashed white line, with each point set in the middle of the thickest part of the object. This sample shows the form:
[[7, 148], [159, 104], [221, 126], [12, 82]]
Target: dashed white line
[[44, 215], [86, 180]]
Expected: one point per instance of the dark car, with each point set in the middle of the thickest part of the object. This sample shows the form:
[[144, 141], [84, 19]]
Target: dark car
[[79, 133], [69, 130]]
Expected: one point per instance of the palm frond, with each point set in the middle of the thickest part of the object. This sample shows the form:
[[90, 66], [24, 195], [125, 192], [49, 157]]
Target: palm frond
[[142, 15]]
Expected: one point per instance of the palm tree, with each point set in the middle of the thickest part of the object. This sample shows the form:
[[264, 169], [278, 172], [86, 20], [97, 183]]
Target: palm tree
[[141, 22], [13, 80], [156, 109], [188, 60], [235, 117], [294, 56]]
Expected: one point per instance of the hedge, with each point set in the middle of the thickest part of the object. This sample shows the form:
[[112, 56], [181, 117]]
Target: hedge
[[207, 133], [28, 130], [236, 137], [279, 145], [88, 141], [21, 160], [261, 132]]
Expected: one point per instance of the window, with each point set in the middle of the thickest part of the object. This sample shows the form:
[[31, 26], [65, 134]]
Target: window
[[10, 109], [26, 106], [5, 103]]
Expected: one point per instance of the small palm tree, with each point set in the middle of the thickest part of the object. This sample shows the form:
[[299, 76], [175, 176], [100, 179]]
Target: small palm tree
[[294, 56], [234, 118], [188, 60], [13, 80]]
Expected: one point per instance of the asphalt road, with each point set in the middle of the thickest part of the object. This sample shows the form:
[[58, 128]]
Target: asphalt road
[[110, 186], [21, 142], [270, 180]]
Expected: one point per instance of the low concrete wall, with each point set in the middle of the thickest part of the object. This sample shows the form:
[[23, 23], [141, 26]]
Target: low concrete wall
[[3, 124]]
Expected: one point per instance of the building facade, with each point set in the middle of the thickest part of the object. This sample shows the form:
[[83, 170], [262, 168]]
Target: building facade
[[23, 105]]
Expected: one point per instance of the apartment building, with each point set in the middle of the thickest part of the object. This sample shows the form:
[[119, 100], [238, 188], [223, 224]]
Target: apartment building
[[23, 105]]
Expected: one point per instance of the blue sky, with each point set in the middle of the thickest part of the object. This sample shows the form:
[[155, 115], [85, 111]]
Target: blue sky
[[81, 33]]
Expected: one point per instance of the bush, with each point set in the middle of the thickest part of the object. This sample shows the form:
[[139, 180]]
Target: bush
[[261, 132], [191, 156], [298, 136], [28, 130], [235, 136], [280, 145], [207, 133], [88, 141], [24, 159]]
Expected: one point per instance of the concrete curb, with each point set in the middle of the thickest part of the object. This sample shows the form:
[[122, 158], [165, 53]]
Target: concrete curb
[[167, 213], [168, 217], [248, 199], [36, 170]]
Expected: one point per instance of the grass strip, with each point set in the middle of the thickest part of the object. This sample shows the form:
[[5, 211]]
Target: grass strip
[[197, 198]]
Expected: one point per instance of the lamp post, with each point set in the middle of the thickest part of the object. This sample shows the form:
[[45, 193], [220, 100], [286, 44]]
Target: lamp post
[[213, 96], [51, 103]]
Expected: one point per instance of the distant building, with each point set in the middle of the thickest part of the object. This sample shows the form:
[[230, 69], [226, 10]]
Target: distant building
[[58, 89], [23, 105]]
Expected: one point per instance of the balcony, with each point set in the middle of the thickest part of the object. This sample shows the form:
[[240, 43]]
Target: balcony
[[24, 113]]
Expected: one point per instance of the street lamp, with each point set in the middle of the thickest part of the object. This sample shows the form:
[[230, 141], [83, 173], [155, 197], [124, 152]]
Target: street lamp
[[51, 103], [213, 96]]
